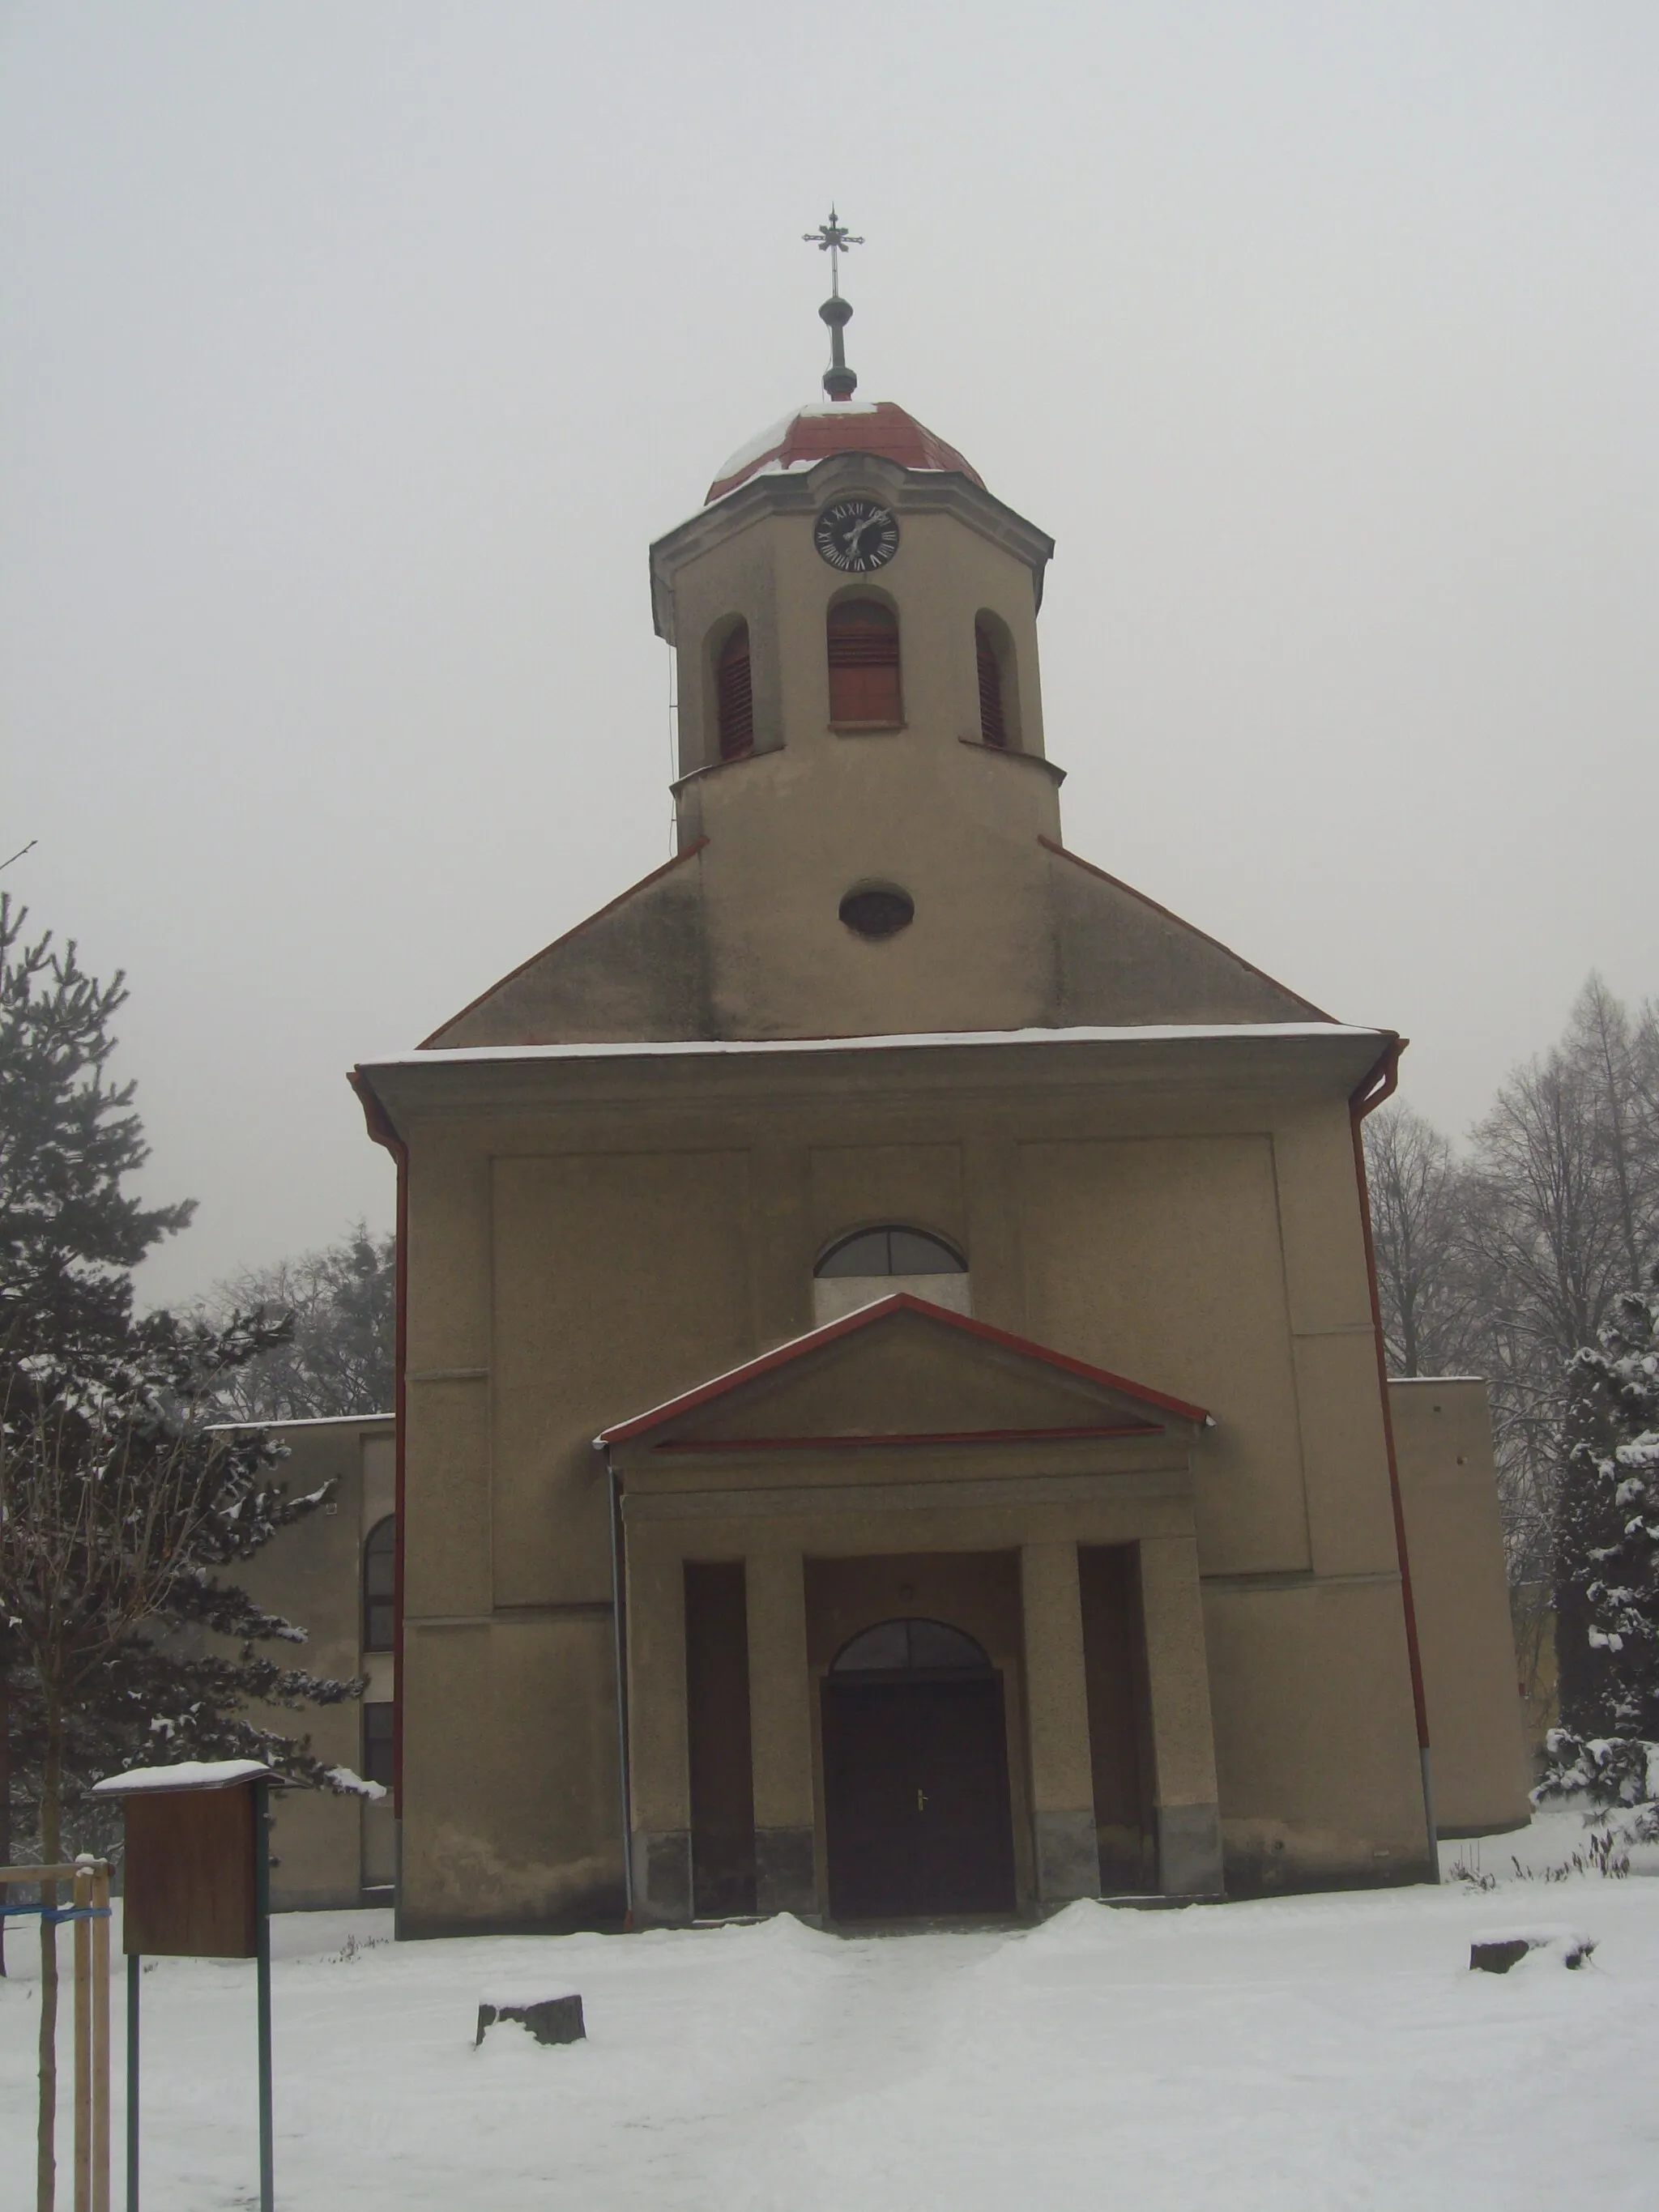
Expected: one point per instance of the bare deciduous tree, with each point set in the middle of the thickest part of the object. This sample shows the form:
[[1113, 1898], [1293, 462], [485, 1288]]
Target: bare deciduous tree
[[1417, 1204], [337, 1357]]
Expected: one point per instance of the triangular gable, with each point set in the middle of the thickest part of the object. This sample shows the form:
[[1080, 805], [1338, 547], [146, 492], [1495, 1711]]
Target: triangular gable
[[903, 1370], [637, 969], [1124, 958]]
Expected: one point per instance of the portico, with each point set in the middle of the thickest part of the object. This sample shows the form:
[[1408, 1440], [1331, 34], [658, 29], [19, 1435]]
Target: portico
[[909, 1464]]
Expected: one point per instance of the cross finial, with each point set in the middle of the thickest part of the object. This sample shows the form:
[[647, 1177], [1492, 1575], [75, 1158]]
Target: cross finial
[[832, 237]]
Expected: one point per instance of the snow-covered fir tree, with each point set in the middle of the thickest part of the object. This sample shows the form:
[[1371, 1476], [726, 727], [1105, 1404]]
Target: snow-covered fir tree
[[1607, 1543], [122, 1513]]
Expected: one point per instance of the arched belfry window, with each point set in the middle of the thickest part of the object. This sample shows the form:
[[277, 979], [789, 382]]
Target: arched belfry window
[[863, 642], [894, 1251], [993, 717], [381, 1585], [910, 1647], [734, 695]]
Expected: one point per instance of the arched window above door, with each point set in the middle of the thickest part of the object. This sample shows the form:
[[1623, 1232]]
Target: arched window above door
[[908, 1646], [871, 1263], [891, 1251], [863, 641]]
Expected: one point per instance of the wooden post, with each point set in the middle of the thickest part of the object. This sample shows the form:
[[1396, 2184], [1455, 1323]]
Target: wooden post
[[100, 2037], [82, 1894], [90, 1906]]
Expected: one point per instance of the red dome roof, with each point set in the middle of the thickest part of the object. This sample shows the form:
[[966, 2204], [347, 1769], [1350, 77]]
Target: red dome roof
[[847, 426]]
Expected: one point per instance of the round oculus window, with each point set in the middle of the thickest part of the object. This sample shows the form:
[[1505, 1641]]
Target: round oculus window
[[879, 910]]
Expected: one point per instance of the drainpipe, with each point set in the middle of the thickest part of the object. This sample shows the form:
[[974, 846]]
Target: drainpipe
[[381, 1130], [619, 1639], [1378, 1086]]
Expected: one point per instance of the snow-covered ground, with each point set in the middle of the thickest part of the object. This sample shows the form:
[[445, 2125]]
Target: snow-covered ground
[[1306, 2055]]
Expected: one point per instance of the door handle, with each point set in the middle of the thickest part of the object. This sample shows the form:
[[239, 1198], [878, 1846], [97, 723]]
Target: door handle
[[922, 1801]]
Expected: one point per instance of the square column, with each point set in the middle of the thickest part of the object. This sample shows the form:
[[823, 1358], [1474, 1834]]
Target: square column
[[1068, 1848], [660, 1765], [780, 1733], [1183, 1739]]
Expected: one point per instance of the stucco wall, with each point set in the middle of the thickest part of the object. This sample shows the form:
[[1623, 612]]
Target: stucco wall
[[649, 1225]]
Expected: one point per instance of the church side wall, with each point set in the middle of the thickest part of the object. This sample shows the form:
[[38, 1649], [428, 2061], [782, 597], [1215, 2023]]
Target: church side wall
[[1449, 1487], [310, 1574]]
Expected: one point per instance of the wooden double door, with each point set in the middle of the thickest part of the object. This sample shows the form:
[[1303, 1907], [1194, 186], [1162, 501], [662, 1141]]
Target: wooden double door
[[916, 1807]]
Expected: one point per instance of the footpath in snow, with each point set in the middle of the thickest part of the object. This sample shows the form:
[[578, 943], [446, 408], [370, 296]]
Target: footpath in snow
[[1304, 2054]]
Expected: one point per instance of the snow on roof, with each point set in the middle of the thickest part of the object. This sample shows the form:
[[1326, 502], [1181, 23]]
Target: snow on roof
[[188, 1774], [1430, 1381], [920, 1040], [304, 1421]]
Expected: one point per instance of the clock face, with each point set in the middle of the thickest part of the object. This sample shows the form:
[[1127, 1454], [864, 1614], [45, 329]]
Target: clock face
[[855, 535]]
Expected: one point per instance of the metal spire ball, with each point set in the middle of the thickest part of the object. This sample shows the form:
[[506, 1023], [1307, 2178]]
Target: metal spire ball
[[832, 237]]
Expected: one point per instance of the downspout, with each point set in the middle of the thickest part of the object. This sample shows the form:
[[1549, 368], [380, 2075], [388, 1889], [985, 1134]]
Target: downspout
[[1379, 1084], [619, 1640], [382, 1131]]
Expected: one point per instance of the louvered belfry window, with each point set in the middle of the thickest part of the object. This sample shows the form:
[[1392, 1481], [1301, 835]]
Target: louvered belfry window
[[993, 725], [863, 664], [735, 696]]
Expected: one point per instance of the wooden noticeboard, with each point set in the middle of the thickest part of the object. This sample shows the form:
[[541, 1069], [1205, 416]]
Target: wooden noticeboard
[[190, 1879]]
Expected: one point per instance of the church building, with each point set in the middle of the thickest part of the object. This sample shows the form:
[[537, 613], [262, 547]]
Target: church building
[[891, 1415]]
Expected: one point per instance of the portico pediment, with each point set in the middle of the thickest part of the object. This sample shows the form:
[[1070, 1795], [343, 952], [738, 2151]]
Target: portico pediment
[[901, 1372]]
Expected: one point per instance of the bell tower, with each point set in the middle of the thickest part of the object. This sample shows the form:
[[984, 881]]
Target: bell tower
[[868, 836], [861, 723]]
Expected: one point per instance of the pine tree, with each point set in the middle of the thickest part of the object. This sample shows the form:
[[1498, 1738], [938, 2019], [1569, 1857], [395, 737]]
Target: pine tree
[[122, 1512], [1607, 1545], [69, 1234]]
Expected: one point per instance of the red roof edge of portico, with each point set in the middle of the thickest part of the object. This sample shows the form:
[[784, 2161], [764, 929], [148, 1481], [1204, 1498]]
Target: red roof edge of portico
[[798, 1347]]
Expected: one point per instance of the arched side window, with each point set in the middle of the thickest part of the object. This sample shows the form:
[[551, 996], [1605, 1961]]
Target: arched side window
[[896, 1647], [891, 1251], [997, 666], [863, 642], [734, 695], [381, 1585], [993, 723]]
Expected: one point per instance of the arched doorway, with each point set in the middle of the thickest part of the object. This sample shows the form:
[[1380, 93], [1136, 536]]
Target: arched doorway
[[915, 1776]]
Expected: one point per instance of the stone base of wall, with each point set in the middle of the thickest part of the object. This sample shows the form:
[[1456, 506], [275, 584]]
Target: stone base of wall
[[1067, 1855], [784, 1880], [1189, 1859]]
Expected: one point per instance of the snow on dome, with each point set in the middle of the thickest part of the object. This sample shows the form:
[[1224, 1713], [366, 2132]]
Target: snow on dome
[[812, 433]]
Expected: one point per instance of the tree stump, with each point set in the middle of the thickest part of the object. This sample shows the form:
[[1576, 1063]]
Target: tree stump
[[1495, 1958], [549, 2019], [1496, 1954]]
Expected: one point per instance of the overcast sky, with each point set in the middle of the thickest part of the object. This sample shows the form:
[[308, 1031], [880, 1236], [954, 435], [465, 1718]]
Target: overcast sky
[[355, 352]]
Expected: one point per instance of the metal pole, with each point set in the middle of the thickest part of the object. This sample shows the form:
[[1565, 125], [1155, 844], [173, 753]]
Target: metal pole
[[101, 2037], [135, 1983], [619, 1646], [82, 1897], [262, 1969]]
